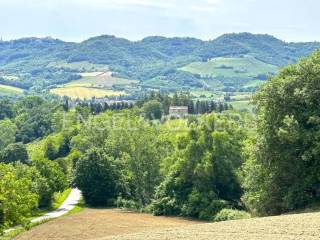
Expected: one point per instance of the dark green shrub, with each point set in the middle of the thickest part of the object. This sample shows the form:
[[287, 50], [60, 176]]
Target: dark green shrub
[[97, 176], [231, 214]]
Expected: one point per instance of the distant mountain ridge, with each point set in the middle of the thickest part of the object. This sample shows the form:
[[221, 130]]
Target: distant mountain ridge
[[151, 58]]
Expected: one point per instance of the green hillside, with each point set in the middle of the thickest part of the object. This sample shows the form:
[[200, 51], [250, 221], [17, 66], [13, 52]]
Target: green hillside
[[156, 62], [246, 66], [244, 72], [9, 91]]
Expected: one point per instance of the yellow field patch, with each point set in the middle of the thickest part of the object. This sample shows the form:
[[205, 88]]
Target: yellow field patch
[[85, 92], [11, 89]]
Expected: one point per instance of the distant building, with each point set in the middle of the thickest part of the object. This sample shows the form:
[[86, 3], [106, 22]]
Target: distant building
[[178, 111]]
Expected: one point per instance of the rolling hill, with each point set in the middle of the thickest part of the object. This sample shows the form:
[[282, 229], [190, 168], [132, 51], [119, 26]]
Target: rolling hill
[[156, 62]]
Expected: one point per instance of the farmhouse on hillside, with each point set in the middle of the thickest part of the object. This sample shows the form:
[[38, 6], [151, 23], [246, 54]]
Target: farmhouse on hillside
[[178, 111]]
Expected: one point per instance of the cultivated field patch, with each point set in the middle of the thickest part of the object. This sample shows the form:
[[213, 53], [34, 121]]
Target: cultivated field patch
[[99, 80], [299, 226], [245, 67], [11, 89], [101, 223], [84, 92]]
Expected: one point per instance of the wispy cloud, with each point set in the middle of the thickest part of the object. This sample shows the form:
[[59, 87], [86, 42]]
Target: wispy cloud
[[206, 5], [194, 5], [78, 19]]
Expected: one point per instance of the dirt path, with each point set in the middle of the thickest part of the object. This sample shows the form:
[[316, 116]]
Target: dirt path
[[72, 200], [67, 205], [101, 223]]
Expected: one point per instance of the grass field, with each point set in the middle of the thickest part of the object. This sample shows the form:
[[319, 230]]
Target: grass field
[[122, 225], [84, 92], [254, 83], [246, 66], [242, 105], [99, 80], [6, 90], [11, 89]]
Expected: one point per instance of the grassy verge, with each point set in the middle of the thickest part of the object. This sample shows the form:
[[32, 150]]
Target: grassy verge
[[59, 198], [12, 234], [78, 208]]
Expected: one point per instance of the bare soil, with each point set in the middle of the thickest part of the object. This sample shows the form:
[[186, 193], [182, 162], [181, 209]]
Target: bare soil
[[287, 227], [100, 223], [121, 225]]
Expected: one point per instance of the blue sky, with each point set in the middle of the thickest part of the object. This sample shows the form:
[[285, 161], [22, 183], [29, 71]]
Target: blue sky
[[76, 20]]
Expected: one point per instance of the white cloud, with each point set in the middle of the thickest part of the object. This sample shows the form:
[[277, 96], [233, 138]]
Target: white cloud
[[179, 5], [172, 4]]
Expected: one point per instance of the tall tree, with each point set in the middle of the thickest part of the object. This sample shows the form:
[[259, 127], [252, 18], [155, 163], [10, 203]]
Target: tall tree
[[282, 173]]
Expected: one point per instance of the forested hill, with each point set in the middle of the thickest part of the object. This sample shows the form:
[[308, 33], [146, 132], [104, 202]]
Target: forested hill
[[155, 61]]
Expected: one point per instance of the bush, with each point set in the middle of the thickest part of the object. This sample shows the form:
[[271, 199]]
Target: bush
[[231, 214], [203, 205], [127, 204], [165, 206]]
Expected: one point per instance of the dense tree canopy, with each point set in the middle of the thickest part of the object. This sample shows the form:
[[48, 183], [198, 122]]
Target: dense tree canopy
[[202, 179], [282, 172], [98, 176]]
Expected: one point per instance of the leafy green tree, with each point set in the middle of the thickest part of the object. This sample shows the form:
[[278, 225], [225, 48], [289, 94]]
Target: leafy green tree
[[203, 178], [55, 180], [13, 153], [282, 170], [35, 118], [153, 110], [6, 109], [64, 148], [17, 196], [7, 133], [98, 178], [51, 150], [140, 150]]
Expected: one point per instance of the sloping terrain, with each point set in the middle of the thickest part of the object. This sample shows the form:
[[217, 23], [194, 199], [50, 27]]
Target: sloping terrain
[[245, 66], [101, 223], [122, 225], [6, 90], [242, 72], [154, 61], [299, 226]]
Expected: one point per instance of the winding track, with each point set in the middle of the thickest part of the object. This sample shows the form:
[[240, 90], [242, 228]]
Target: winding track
[[72, 200]]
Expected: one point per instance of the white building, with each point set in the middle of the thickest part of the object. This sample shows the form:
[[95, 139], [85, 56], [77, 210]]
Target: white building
[[178, 111]]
